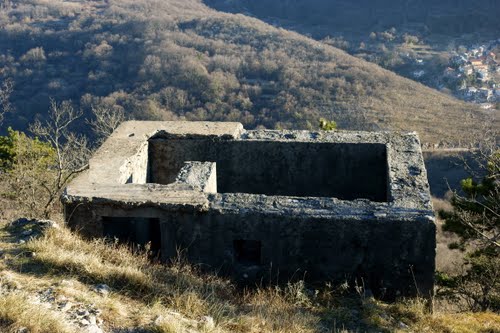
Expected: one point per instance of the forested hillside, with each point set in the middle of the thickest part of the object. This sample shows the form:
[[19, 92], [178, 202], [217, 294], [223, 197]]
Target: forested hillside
[[445, 16], [178, 59]]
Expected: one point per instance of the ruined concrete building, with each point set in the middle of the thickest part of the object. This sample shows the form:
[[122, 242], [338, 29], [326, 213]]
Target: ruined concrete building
[[324, 206]]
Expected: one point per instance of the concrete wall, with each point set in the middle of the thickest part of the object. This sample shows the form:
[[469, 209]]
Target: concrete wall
[[345, 171], [387, 255]]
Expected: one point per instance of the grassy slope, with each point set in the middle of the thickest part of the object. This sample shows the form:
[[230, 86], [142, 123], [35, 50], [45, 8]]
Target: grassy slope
[[143, 292], [181, 60]]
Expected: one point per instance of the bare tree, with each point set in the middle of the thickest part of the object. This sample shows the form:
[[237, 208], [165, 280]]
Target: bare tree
[[484, 169], [107, 119], [476, 220], [6, 89], [71, 149]]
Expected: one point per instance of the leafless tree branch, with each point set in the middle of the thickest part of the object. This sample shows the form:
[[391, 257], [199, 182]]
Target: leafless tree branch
[[107, 119], [71, 150], [6, 89]]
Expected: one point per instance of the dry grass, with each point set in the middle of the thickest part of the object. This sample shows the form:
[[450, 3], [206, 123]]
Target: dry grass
[[447, 260], [17, 311], [131, 274], [177, 287], [175, 298]]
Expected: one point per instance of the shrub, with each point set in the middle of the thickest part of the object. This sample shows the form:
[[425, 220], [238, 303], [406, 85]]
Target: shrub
[[327, 125], [476, 219], [27, 165]]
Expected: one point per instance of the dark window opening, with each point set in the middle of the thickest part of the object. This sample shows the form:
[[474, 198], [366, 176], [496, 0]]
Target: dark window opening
[[135, 231], [247, 252]]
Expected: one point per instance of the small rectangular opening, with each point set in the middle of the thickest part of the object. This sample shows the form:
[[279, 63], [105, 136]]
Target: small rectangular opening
[[134, 231], [247, 252]]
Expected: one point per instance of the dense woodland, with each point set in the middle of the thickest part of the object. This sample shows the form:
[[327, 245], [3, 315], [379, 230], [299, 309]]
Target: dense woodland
[[179, 59], [450, 17]]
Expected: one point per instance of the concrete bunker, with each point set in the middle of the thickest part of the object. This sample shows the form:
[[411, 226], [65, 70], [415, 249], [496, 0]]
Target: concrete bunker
[[256, 205]]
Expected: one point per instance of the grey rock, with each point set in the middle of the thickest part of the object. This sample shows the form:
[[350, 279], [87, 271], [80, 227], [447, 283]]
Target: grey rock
[[402, 325], [207, 323], [27, 233], [20, 222], [82, 312], [102, 289], [65, 306], [84, 322], [92, 320], [94, 329], [45, 224]]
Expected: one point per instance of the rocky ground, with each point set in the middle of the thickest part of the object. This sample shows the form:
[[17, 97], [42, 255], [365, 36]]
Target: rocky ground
[[79, 315], [52, 281]]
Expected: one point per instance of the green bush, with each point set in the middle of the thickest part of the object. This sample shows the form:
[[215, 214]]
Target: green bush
[[327, 125], [28, 169]]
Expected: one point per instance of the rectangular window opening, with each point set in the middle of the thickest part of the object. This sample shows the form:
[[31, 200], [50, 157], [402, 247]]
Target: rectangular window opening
[[247, 252]]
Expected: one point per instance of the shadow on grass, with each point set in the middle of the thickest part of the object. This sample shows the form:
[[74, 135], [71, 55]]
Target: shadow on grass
[[62, 254]]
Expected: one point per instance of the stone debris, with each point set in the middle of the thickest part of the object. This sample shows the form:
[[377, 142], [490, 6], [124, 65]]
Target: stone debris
[[27, 233], [402, 325], [102, 289], [84, 316], [31, 228], [64, 306], [207, 323]]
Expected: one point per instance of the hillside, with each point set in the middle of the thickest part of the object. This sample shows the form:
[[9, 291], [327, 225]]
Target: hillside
[[182, 60], [450, 17]]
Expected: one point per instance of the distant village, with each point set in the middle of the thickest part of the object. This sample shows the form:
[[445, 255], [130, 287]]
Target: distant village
[[476, 74]]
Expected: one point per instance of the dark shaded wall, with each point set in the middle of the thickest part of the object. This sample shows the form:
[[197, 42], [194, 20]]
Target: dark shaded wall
[[344, 171], [384, 255], [391, 257]]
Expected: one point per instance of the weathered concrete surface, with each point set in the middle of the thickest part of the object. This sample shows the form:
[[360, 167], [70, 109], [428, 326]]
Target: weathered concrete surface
[[200, 176], [260, 204]]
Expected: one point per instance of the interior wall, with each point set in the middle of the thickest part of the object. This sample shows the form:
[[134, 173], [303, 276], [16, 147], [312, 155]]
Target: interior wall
[[345, 171]]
